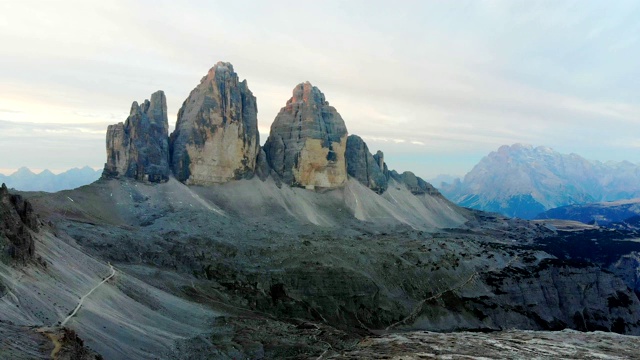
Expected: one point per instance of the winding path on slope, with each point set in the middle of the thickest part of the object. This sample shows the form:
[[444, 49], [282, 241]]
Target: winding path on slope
[[421, 304], [53, 332], [75, 311]]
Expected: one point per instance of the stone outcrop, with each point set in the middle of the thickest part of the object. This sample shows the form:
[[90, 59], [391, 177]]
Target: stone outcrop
[[307, 143], [372, 171], [379, 158], [17, 219], [415, 184], [139, 147], [262, 166], [216, 137], [362, 166], [554, 295]]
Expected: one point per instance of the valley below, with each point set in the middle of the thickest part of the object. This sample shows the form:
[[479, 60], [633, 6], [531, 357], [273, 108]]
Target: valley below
[[250, 270]]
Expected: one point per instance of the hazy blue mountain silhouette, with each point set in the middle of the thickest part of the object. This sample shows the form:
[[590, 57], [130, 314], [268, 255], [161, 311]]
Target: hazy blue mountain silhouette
[[26, 180]]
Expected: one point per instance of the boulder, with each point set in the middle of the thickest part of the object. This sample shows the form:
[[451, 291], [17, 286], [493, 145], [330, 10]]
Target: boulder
[[139, 147], [307, 143], [216, 137], [362, 166]]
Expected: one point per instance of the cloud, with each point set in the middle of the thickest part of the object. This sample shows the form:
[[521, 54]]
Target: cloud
[[10, 111], [12, 127], [51, 145], [442, 79]]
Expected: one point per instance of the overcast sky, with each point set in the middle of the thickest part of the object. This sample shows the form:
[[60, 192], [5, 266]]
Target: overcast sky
[[435, 85]]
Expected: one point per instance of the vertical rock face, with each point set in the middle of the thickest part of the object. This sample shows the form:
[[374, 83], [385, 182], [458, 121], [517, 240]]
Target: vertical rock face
[[16, 218], [216, 137], [362, 166], [139, 148], [307, 143]]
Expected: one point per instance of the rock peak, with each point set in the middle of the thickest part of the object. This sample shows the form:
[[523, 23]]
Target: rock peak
[[305, 92], [220, 69], [24, 171], [216, 137], [520, 146], [223, 65], [139, 147], [306, 146]]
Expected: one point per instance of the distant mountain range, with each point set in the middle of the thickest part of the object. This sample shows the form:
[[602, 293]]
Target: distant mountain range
[[524, 181], [602, 213], [26, 180]]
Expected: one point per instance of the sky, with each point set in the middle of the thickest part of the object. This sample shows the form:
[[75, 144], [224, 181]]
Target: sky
[[436, 85]]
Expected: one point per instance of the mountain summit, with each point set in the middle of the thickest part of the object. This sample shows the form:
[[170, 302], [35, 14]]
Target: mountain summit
[[522, 181], [216, 137], [139, 148], [307, 142]]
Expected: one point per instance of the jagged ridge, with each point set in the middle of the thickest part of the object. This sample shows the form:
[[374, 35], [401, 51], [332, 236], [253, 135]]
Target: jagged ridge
[[216, 140]]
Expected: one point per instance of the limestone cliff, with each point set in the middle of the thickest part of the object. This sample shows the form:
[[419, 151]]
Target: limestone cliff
[[139, 147], [216, 137], [308, 139], [362, 166], [16, 220]]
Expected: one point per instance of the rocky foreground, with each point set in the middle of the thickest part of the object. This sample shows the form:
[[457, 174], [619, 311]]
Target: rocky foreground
[[512, 344]]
